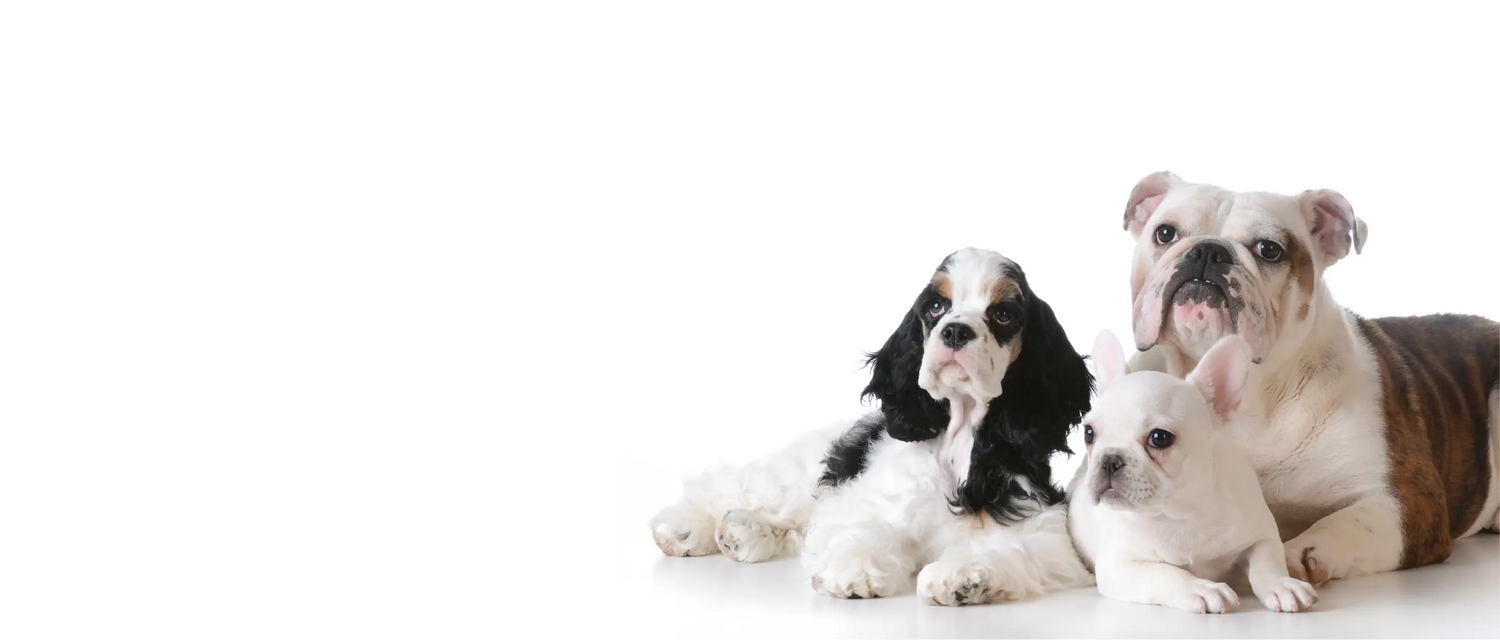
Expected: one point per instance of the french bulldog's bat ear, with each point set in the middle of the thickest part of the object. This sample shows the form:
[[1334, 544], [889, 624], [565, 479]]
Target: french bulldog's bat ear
[[1221, 373], [1109, 360], [1333, 223], [1144, 199]]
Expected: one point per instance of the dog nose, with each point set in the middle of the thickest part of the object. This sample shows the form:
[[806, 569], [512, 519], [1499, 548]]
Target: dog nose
[[956, 335], [1110, 464], [1209, 253]]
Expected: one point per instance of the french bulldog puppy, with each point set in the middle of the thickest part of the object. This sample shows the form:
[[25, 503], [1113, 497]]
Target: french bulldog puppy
[[1165, 506]]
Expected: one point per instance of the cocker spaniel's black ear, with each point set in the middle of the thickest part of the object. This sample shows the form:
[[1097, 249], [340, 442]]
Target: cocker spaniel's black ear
[[1048, 383], [1045, 393], [911, 414]]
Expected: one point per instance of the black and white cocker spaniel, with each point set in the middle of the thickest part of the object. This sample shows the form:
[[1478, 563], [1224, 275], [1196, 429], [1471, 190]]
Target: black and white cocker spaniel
[[978, 387]]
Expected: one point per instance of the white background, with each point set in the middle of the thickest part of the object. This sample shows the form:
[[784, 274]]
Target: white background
[[761, 261]]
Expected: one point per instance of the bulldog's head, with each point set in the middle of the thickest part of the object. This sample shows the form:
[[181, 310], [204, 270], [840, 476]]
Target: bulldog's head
[[1210, 262]]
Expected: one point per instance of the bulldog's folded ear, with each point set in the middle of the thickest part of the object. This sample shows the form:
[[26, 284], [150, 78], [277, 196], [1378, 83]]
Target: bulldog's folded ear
[[1332, 221], [1144, 199]]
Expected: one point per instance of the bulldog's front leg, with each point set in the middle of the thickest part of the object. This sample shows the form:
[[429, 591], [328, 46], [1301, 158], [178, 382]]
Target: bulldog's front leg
[[1268, 578], [1160, 583], [1362, 538]]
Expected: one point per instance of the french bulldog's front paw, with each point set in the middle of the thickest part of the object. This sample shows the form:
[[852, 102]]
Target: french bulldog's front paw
[[1287, 595], [1207, 596], [1314, 562], [952, 584]]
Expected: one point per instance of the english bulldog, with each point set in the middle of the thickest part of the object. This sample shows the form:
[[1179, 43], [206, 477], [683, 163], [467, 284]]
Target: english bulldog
[[1376, 440]]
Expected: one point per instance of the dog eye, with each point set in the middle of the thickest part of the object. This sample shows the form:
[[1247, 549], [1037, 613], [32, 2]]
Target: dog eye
[[1269, 251], [1166, 234], [1088, 434], [937, 308], [1161, 439], [1001, 316]]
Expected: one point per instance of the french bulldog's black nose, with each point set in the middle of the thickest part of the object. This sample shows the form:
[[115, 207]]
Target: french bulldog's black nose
[[957, 335], [1210, 253], [1111, 464]]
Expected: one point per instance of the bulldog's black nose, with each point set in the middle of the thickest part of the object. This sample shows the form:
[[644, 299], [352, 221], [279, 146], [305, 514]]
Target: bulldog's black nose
[[1110, 464], [1210, 253], [957, 335]]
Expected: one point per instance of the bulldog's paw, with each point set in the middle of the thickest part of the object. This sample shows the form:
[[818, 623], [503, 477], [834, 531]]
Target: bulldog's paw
[[1286, 595], [951, 584], [1315, 562], [1207, 596]]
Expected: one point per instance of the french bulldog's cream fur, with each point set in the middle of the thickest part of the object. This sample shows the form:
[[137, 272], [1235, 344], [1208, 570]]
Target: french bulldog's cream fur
[[1166, 521]]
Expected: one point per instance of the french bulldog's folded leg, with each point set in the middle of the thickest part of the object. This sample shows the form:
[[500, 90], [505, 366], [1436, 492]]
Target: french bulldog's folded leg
[[1268, 578], [1163, 584], [1362, 538]]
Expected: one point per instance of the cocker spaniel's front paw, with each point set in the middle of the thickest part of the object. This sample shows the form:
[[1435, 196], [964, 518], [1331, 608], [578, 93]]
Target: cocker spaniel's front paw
[[953, 583], [682, 531], [858, 576]]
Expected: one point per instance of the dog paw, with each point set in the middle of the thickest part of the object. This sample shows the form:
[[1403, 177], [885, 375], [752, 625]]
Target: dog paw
[[953, 584], [745, 538], [1207, 596], [682, 531], [1313, 562], [1287, 595], [856, 578]]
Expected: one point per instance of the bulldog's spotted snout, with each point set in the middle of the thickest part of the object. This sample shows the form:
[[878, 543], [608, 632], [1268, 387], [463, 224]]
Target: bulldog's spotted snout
[[956, 335]]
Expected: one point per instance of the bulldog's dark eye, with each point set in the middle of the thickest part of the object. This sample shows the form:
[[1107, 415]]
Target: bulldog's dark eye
[[937, 308], [1000, 316], [1161, 439], [1166, 234], [1088, 434], [1269, 251]]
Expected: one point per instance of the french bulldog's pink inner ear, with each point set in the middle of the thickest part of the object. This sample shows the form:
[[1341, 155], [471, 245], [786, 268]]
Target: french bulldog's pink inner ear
[[1333, 223], [1145, 198], [1109, 360], [1221, 373]]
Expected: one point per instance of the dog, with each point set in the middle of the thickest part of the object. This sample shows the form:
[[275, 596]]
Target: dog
[[1165, 506], [978, 387], [1376, 440]]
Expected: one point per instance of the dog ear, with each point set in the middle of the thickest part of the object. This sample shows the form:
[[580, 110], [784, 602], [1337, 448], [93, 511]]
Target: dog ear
[[911, 414], [1109, 359], [1221, 373], [1047, 392], [1144, 199], [1333, 223]]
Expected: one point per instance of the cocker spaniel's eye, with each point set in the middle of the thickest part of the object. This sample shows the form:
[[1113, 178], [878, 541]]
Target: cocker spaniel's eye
[[1000, 316], [1088, 434], [937, 308]]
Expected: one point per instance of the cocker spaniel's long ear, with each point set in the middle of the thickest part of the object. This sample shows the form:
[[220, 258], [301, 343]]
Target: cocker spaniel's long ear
[[911, 414], [1048, 387], [1046, 393]]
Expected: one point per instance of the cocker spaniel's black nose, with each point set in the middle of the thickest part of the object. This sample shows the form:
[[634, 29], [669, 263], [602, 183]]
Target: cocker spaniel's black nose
[[956, 335]]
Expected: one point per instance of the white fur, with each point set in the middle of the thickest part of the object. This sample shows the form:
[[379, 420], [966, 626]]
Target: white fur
[[1170, 525]]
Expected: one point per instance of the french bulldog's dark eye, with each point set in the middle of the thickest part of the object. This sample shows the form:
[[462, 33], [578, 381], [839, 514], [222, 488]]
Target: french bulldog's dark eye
[[1269, 251], [1161, 439], [1000, 316], [1088, 434], [1166, 234], [937, 307]]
